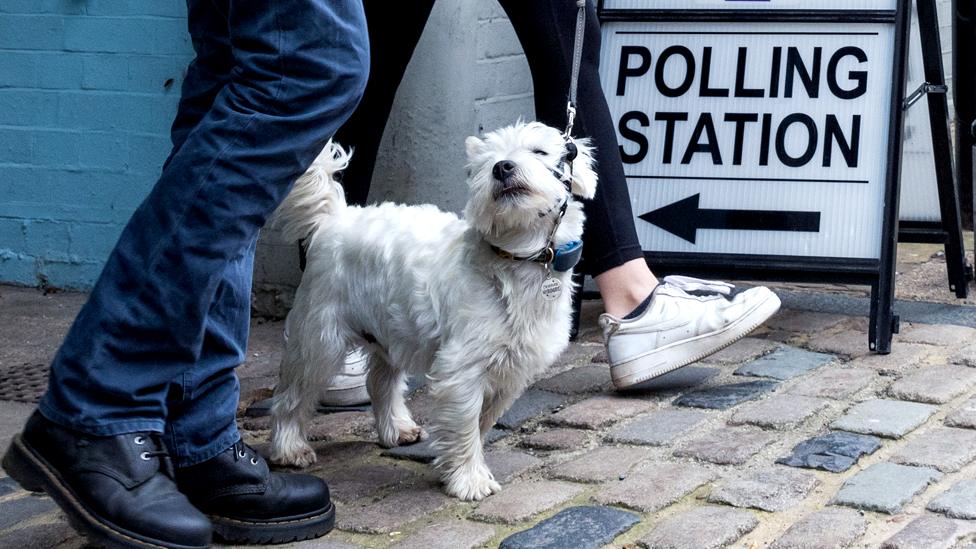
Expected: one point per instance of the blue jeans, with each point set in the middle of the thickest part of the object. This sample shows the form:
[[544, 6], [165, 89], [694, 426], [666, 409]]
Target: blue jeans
[[155, 347]]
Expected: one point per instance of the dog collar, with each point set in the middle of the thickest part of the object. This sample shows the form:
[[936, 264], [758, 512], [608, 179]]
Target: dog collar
[[559, 259]]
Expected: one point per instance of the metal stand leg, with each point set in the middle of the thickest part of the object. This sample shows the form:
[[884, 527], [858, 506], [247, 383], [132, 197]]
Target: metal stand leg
[[884, 323], [964, 98], [941, 146], [883, 320]]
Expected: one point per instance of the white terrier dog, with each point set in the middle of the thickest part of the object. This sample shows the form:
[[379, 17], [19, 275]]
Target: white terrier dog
[[475, 304]]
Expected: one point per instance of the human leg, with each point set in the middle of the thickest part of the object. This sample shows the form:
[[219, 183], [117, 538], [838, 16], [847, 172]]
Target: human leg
[[202, 402], [144, 322], [208, 72], [228, 319], [220, 474], [624, 287], [196, 437], [95, 445]]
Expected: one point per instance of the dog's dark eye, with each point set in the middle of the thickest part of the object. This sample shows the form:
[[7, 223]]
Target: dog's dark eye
[[540, 152]]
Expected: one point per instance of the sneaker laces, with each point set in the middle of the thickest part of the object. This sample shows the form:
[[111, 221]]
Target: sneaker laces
[[691, 285]]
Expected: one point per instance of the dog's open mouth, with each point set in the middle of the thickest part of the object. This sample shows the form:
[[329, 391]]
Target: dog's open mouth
[[511, 190]]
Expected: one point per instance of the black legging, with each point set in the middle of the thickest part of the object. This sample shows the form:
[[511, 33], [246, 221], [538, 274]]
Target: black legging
[[545, 28]]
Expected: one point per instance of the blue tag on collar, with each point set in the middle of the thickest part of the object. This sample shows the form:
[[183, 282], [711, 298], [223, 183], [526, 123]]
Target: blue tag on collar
[[567, 256]]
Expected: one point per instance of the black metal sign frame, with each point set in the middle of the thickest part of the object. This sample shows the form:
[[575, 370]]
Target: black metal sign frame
[[964, 98], [948, 230], [879, 274]]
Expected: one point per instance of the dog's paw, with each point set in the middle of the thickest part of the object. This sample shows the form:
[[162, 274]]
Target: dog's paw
[[412, 435], [299, 455], [472, 483], [389, 437], [400, 433]]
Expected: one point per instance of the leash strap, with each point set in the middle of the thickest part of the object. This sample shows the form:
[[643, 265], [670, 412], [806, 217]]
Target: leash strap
[[577, 60]]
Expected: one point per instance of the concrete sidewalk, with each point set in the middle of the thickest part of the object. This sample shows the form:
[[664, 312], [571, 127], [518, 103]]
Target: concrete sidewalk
[[793, 438]]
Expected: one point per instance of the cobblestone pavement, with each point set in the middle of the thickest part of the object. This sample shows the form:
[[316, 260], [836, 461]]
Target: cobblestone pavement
[[795, 437]]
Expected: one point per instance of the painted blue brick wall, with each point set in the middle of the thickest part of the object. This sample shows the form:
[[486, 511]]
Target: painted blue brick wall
[[88, 89]]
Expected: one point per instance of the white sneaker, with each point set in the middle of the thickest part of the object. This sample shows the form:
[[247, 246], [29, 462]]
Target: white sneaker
[[679, 328], [348, 387]]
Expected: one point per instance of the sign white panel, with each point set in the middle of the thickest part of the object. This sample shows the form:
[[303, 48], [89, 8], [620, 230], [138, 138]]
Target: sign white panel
[[750, 4], [753, 138], [919, 185]]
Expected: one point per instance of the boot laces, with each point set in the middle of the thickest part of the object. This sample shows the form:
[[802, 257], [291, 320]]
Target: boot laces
[[161, 452], [241, 451]]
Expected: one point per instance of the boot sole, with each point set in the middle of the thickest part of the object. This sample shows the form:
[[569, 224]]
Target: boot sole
[[279, 531], [628, 375], [35, 474]]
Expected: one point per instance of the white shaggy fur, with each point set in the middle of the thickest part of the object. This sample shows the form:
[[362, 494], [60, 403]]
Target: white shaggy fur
[[421, 291]]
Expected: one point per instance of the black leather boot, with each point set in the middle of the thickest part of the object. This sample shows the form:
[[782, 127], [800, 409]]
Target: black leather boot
[[247, 503], [117, 491]]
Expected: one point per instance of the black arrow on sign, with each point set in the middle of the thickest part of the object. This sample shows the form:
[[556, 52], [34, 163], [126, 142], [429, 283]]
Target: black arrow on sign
[[684, 218]]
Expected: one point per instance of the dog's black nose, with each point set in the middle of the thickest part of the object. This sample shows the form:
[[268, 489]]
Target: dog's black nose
[[503, 170]]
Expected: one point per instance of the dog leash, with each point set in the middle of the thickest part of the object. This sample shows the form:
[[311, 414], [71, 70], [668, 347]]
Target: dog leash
[[577, 60], [571, 150]]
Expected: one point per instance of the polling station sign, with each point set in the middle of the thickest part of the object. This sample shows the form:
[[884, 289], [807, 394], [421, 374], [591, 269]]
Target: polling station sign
[[751, 137]]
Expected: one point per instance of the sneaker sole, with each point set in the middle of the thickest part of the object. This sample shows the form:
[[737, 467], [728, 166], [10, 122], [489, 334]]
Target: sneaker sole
[[279, 531], [352, 396], [35, 474], [682, 353]]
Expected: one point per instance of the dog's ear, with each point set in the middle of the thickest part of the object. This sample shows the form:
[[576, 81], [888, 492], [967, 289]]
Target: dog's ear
[[473, 146], [584, 175]]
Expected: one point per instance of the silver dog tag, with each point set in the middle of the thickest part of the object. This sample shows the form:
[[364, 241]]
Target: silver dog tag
[[551, 288]]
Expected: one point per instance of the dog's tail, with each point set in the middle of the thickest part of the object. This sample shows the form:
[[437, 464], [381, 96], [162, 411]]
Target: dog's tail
[[315, 197]]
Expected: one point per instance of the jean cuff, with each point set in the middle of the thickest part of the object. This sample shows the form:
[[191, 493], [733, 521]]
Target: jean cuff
[[220, 443], [108, 429]]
